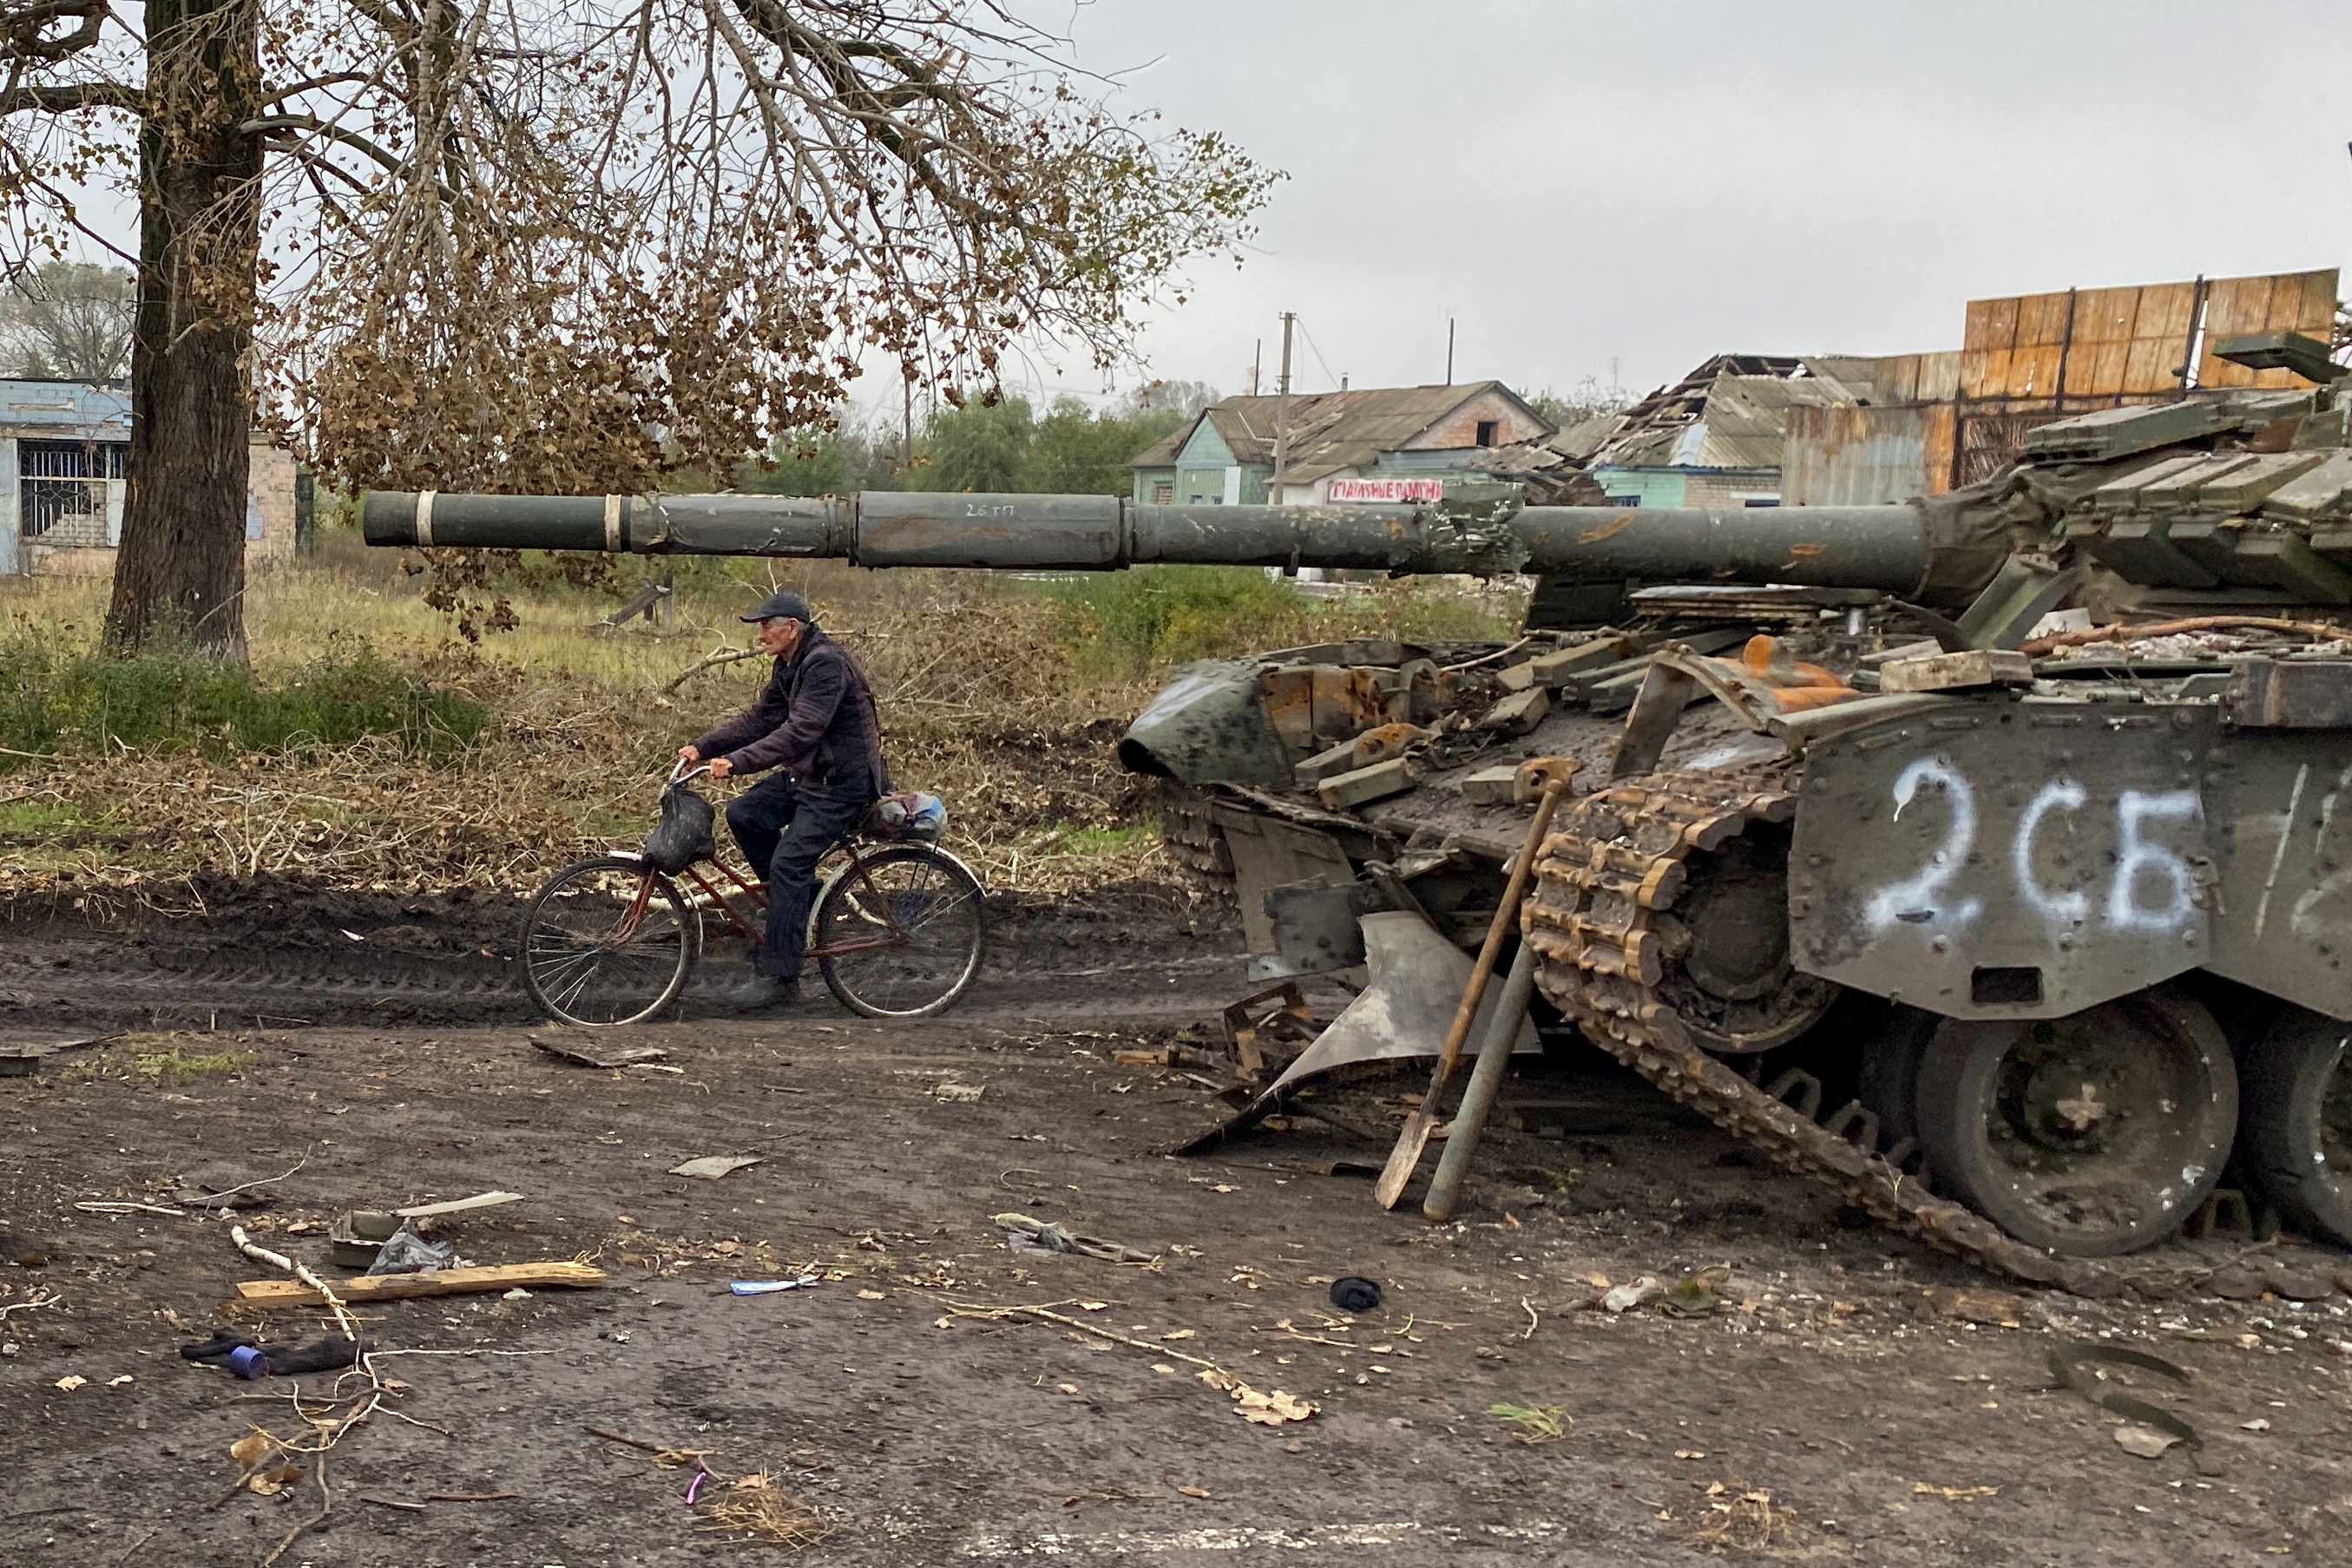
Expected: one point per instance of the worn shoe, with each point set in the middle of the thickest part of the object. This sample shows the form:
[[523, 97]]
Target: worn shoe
[[763, 991]]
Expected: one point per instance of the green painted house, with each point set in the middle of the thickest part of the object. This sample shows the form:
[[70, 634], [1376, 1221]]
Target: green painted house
[[1224, 457]]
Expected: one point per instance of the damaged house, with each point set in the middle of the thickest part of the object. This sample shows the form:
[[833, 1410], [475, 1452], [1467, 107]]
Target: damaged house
[[1372, 443]]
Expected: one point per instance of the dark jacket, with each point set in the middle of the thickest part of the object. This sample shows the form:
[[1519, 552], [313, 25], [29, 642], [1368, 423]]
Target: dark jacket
[[816, 719]]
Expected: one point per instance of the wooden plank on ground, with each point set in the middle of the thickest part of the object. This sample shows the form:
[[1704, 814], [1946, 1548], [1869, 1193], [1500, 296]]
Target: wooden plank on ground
[[439, 1282]]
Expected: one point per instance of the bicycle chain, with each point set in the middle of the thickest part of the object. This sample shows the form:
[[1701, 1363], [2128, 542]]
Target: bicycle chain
[[1618, 857]]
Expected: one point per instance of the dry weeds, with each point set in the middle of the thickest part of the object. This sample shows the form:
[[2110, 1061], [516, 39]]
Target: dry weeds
[[980, 705]]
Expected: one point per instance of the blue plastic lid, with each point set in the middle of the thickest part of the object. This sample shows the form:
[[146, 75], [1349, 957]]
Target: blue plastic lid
[[247, 1361]]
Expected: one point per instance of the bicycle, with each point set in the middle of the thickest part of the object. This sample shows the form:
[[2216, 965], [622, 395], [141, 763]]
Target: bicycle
[[894, 929]]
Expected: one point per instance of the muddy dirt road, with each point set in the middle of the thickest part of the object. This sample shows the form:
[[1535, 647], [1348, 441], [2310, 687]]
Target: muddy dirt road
[[1834, 1376]]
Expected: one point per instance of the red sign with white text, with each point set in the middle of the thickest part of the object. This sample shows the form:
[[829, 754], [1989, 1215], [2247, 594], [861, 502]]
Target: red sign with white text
[[1389, 490]]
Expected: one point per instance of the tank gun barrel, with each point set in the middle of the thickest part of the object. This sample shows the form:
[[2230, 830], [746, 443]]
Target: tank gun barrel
[[1822, 547]]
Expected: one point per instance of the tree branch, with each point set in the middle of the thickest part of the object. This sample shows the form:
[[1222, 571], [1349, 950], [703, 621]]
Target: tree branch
[[317, 126], [65, 98]]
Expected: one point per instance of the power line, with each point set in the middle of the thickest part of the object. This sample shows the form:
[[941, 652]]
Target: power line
[[1318, 353]]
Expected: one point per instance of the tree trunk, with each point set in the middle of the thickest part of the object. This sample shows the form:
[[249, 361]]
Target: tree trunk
[[180, 573]]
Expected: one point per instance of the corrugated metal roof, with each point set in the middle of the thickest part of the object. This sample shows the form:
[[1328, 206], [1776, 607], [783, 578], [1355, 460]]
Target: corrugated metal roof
[[1730, 411]]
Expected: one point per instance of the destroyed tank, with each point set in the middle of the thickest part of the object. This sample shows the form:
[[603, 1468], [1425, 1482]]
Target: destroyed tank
[[2018, 937]]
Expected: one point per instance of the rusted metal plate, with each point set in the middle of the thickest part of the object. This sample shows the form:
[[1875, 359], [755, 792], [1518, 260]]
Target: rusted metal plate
[[2129, 342], [2266, 694]]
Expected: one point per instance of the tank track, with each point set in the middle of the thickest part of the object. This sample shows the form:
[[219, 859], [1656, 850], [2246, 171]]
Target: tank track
[[1190, 834], [1616, 859]]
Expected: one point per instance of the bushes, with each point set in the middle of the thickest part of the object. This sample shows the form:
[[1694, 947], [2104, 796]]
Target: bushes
[[1148, 620], [54, 699]]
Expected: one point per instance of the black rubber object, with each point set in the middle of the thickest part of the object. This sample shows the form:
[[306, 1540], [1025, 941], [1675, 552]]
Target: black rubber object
[[321, 1354], [218, 1348], [1887, 1082], [2285, 1126], [2159, 1082], [1355, 1293]]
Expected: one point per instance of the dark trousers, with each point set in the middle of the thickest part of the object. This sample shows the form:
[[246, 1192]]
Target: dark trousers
[[784, 830]]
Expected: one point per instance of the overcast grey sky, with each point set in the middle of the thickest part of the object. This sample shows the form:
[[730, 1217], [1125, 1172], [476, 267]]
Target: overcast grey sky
[[1581, 180]]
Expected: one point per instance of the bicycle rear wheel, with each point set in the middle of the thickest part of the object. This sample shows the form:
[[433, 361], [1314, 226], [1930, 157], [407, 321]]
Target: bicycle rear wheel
[[900, 936], [608, 941]]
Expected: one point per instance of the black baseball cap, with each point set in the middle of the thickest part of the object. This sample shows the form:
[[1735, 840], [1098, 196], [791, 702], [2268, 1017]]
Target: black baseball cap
[[782, 605]]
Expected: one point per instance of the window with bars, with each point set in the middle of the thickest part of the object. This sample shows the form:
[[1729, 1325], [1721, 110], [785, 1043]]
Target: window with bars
[[62, 489]]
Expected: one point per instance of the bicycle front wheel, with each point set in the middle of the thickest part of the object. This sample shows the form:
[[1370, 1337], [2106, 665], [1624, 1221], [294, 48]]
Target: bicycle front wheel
[[608, 941], [898, 934]]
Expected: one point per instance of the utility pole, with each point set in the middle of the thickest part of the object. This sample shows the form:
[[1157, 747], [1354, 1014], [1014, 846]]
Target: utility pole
[[1257, 358], [1449, 350], [1282, 414]]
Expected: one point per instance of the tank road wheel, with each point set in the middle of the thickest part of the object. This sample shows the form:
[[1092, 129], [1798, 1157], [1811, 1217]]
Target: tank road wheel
[[2296, 1132], [2091, 1134], [1724, 947]]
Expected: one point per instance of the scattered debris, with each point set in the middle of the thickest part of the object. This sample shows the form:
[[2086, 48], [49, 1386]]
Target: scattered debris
[[1953, 1494], [1694, 1294], [406, 1252], [254, 1453], [628, 1056], [758, 1507], [1996, 1309], [2145, 1441], [1747, 1522], [1026, 1234], [770, 1287], [249, 1358], [1268, 1028], [710, 1167], [458, 1204], [1355, 1293], [1625, 1298], [2074, 1365], [70, 1382], [2259, 1424], [263, 1293], [958, 1094], [38, 1298], [1536, 1423], [1274, 1410]]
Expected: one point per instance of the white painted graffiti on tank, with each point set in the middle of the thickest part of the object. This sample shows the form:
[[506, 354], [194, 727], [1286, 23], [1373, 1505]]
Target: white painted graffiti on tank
[[2153, 886], [1913, 901]]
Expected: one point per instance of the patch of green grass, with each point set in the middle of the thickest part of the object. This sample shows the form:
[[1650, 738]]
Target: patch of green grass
[[1153, 618], [1535, 1423], [1132, 839], [1130, 622], [43, 819], [54, 699], [141, 1062]]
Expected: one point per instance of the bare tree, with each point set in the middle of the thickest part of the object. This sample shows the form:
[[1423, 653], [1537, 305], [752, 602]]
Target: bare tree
[[569, 244], [70, 319]]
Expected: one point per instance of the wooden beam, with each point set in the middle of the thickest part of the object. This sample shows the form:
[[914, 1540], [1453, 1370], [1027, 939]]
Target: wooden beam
[[439, 1282]]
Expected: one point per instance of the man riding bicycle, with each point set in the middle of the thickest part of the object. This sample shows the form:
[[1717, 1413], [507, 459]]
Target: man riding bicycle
[[816, 721]]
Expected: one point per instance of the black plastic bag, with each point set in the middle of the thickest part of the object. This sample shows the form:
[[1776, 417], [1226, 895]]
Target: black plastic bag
[[682, 836]]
